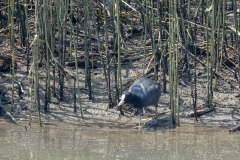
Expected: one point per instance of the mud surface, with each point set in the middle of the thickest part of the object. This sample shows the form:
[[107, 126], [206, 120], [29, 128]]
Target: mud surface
[[225, 97], [225, 100]]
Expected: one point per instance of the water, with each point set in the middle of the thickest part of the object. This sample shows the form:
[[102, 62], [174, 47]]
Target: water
[[75, 142]]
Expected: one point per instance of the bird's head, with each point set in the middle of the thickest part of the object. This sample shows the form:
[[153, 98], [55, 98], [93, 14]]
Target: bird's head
[[130, 98]]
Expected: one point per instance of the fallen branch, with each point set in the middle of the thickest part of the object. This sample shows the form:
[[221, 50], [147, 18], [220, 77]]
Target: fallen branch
[[200, 112], [234, 129], [9, 114]]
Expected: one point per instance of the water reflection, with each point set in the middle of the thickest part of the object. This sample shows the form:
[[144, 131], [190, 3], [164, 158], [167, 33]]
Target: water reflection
[[72, 142]]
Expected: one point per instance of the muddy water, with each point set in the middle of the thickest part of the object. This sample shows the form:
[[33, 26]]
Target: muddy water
[[73, 142]]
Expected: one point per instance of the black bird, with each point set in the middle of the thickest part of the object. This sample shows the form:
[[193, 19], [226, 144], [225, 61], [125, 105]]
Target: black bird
[[142, 93]]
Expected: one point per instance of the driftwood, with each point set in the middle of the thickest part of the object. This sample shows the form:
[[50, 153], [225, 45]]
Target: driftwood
[[200, 112], [234, 129]]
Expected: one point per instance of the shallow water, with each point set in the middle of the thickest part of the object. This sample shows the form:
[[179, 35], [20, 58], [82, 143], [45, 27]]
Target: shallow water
[[73, 142]]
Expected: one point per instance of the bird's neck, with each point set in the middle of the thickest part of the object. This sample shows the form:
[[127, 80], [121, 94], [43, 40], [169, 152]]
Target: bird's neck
[[135, 101]]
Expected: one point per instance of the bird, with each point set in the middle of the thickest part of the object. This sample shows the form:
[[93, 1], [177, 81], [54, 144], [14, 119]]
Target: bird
[[142, 93]]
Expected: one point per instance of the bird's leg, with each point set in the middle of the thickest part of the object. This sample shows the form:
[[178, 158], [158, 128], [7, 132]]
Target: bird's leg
[[121, 111], [140, 116], [136, 113], [156, 112], [139, 121]]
